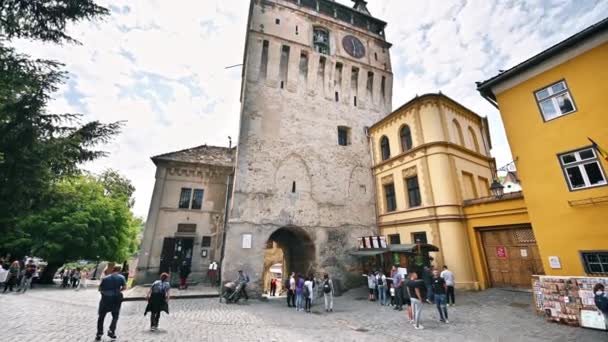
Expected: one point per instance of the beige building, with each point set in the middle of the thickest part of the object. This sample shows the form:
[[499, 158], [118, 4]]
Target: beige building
[[316, 75], [186, 216], [430, 155]]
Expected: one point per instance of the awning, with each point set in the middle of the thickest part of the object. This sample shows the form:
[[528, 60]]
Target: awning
[[368, 252], [406, 248], [412, 248]]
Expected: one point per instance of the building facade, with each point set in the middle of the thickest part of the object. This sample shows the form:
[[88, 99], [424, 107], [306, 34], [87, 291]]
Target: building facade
[[186, 217], [316, 74], [551, 105], [431, 155]]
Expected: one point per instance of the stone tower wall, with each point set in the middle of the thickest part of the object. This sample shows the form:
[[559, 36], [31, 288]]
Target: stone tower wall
[[289, 139]]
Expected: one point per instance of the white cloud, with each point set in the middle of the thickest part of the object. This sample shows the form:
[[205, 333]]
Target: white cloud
[[160, 66]]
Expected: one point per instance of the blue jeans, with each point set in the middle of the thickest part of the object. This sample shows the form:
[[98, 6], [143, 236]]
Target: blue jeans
[[429, 293], [381, 294], [299, 304], [441, 302]]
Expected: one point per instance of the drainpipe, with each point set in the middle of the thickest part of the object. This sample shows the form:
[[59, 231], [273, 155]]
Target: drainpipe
[[374, 189]]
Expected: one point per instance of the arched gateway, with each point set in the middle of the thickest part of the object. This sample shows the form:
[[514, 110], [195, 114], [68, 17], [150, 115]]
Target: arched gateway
[[293, 249]]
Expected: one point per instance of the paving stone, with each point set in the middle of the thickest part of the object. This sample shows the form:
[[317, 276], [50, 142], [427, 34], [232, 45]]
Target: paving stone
[[49, 314]]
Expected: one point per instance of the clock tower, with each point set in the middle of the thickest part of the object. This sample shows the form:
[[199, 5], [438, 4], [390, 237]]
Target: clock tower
[[316, 75]]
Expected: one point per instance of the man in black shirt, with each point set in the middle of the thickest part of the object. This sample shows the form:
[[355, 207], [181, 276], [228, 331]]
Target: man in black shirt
[[111, 288], [439, 290]]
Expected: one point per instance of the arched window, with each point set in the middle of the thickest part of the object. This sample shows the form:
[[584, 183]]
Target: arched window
[[460, 137], [474, 139], [386, 149], [406, 138]]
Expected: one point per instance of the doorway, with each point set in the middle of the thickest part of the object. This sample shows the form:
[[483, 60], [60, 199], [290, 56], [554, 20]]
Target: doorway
[[175, 251], [512, 256], [291, 247]]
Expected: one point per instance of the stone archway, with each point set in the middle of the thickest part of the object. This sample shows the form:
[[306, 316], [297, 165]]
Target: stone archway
[[291, 246]]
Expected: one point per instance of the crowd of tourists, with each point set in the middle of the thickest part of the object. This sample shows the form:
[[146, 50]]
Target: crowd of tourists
[[401, 289], [302, 291], [19, 274]]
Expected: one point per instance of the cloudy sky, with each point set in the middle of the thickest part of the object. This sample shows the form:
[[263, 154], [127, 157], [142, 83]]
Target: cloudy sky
[[159, 65]]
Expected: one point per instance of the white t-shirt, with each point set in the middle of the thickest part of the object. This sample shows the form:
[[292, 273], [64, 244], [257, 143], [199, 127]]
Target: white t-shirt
[[448, 276], [308, 284], [292, 284]]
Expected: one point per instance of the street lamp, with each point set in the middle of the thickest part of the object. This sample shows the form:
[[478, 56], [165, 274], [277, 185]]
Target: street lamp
[[497, 189]]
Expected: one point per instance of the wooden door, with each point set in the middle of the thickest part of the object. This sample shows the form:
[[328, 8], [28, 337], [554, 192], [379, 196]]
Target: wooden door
[[511, 255]]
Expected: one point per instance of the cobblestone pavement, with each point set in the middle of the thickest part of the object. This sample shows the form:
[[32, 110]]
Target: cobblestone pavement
[[494, 315]]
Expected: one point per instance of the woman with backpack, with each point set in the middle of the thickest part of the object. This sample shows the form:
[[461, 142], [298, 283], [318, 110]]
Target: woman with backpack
[[328, 293], [158, 300], [601, 301]]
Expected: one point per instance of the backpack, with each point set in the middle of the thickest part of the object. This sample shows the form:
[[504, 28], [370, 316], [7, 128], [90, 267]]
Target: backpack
[[158, 287], [326, 287], [306, 292], [601, 302], [380, 281], [287, 283]]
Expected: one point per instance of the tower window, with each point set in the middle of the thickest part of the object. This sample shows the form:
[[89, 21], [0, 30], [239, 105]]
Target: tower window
[[293, 187], [277, 21], [297, 31], [337, 96], [376, 55], [284, 64], [370, 85], [264, 62], [383, 87], [338, 76], [320, 40], [321, 75], [303, 68], [343, 136]]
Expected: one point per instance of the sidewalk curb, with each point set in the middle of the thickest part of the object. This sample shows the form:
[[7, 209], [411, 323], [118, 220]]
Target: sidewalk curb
[[194, 296]]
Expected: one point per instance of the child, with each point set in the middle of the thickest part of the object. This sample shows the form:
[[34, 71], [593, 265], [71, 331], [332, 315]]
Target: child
[[392, 295]]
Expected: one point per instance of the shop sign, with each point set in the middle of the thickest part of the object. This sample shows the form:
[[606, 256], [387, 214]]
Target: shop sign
[[501, 252], [554, 262], [524, 253]]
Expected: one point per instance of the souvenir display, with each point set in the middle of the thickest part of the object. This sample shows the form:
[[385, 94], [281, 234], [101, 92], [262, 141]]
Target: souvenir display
[[563, 299]]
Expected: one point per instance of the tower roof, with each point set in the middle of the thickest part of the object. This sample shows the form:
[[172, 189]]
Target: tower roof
[[204, 154], [361, 6]]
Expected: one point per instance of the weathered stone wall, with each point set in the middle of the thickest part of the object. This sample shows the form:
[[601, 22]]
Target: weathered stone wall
[[290, 170]]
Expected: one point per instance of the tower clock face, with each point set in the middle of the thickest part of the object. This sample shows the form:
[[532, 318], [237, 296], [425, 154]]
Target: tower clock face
[[353, 46]]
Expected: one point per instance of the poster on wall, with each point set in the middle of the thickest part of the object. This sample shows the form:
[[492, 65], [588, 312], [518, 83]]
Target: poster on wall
[[501, 252], [383, 242], [246, 241]]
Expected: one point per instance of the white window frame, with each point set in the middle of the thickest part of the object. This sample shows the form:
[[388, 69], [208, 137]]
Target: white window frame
[[580, 164], [552, 96]]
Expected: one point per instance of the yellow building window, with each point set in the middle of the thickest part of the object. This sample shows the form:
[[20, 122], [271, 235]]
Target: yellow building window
[[555, 101], [582, 169]]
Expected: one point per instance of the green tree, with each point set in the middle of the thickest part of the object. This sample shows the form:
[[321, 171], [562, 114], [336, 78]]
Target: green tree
[[37, 148], [83, 220]]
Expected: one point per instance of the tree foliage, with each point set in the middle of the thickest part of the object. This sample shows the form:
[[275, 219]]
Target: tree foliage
[[84, 219], [38, 149], [45, 19]]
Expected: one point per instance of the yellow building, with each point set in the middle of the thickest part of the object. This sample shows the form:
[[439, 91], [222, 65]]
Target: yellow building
[[430, 155], [503, 246], [550, 105]]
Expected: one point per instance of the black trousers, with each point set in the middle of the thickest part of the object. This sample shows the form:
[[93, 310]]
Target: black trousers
[[108, 304], [399, 295], [291, 298], [154, 318], [8, 285], [307, 304], [450, 295], [244, 292]]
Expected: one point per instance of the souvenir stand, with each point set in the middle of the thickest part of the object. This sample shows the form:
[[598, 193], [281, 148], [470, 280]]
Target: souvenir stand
[[568, 300]]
